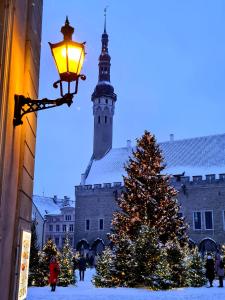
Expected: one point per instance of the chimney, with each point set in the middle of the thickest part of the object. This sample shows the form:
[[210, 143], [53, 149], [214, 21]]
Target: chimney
[[66, 201], [82, 179], [129, 144], [171, 137], [55, 199]]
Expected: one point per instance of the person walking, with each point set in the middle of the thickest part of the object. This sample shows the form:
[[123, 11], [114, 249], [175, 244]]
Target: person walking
[[210, 271], [219, 269], [82, 267], [54, 273]]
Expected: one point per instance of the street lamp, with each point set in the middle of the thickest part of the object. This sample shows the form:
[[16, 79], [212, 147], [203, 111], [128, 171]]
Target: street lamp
[[69, 58]]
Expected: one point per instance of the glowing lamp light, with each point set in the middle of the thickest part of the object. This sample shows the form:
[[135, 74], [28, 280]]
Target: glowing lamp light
[[69, 58]]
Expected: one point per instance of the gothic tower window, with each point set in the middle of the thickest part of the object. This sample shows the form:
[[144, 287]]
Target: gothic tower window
[[106, 101], [99, 119], [105, 119]]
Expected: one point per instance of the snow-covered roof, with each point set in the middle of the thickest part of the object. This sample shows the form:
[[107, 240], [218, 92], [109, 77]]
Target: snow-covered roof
[[194, 156], [50, 206]]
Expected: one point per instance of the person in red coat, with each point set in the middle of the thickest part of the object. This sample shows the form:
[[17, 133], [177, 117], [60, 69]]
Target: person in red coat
[[54, 273]]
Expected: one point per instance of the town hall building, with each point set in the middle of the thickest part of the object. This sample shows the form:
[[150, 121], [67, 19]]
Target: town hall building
[[197, 166]]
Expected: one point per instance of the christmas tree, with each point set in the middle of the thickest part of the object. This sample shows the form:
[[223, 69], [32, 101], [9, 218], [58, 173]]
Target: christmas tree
[[66, 275], [162, 278], [49, 250], [177, 260], [148, 219], [34, 257], [104, 270], [196, 269], [146, 256]]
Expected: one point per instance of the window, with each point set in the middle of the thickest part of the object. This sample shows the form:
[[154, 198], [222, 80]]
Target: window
[[105, 119], [208, 220], [71, 227], [57, 227], [106, 101], [87, 224], [63, 240], [64, 228], [197, 220], [68, 217], [50, 227], [99, 120], [56, 241], [101, 224]]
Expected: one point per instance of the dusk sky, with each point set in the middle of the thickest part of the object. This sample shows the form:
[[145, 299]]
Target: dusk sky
[[167, 69]]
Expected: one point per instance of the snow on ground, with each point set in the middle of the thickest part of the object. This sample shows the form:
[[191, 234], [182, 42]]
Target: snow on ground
[[86, 291]]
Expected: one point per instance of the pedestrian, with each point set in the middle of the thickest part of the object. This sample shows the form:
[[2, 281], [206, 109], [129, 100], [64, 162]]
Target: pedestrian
[[210, 270], [82, 267], [54, 273], [219, 268], [91, 261]]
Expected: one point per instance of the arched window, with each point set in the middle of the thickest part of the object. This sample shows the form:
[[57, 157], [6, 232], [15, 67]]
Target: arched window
[[207, 245], [105, 119], [98, 246], [106, 101], [99, 119]]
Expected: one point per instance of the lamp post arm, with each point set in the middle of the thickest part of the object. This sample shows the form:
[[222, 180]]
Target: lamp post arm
[[25, 105]]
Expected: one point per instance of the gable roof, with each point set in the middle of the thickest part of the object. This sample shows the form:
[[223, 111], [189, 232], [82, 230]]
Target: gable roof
[[194, 156]]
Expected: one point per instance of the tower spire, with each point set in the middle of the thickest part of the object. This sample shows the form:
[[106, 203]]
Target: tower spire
[[104, 100], [105, 9]]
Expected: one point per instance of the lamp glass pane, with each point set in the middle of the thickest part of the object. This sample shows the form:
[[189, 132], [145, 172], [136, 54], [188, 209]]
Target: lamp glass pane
[[75, 58], [59, 53]]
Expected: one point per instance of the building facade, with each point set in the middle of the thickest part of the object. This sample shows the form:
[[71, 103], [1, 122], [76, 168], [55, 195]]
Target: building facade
[[196, 164], [54, 219], [58, 226], [20, 43]]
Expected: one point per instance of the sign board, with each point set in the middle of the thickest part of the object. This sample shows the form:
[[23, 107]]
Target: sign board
[[24, 265]]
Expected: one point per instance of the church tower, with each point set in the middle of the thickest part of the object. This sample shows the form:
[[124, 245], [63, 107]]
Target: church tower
[[104, 100]]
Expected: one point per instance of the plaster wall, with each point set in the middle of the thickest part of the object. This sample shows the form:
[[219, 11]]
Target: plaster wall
[[20, 22]]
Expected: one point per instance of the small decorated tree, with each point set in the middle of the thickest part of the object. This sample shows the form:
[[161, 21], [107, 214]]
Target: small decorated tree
[[196, 270], [49, 250], [177, 260], [67, 275], [162, 278], [105, 269]]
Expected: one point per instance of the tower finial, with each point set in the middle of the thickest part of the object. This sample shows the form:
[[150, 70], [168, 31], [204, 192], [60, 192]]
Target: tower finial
[[105, 9]]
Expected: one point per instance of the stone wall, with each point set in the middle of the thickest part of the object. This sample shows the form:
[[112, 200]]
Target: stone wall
[[93, 203], [194, 194]]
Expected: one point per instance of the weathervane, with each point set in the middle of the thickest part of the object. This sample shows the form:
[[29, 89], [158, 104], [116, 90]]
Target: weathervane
[[105, 9]]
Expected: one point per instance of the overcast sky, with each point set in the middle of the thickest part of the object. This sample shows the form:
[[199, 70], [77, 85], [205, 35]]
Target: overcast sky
[[167, 68]]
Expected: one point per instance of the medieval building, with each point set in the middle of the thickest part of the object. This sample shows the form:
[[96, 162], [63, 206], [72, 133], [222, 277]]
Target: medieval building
[[199, 161]]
